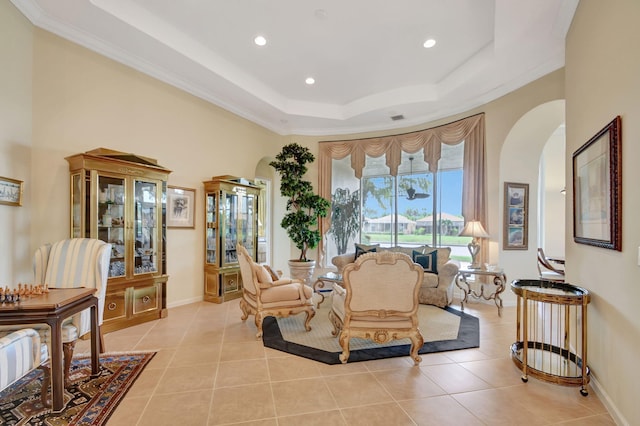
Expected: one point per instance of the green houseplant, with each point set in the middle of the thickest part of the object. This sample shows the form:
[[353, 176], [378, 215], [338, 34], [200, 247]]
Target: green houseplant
[[304, 207]]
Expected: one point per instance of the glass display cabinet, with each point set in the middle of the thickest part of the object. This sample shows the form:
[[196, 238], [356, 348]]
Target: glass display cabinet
[[120, 198], [231, 217]]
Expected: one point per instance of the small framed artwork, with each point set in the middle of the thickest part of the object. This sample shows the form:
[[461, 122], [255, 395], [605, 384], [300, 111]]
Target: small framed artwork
[[10, 191], [181, 207], [516, 216], [597, 189]]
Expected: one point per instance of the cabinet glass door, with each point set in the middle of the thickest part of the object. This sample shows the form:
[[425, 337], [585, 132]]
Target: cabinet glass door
[[145, 227], [230, 219], [111, 219], [247, 216], [212, 234]]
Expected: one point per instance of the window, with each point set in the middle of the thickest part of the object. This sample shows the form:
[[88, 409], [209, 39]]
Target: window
[[399, 210], [412, 188]]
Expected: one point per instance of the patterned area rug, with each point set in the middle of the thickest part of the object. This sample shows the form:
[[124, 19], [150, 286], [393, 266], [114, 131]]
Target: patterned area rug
[[88, 401], [443, 330]]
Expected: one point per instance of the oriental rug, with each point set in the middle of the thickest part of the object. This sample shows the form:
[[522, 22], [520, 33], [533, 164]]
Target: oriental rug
[[88, 400], [443, 330]]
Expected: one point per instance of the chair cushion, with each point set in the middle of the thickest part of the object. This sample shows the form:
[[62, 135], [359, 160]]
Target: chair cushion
[[285, 292]]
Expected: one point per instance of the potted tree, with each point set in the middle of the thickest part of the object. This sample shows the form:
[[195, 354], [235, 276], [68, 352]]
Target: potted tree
[[304, 207]]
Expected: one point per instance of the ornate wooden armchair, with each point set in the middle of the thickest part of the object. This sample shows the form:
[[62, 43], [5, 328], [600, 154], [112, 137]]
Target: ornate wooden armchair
[[263, 296], [379, 301]]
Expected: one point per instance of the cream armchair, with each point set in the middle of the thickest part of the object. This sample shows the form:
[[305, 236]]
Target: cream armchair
[[76, 262], [379, 301], [266, 295]]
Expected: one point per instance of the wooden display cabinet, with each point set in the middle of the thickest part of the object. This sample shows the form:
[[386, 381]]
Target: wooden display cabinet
[[231, 216], [120, 198]]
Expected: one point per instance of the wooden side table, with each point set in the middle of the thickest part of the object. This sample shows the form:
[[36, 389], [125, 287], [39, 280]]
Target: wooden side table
[[498, 278], [52, 308]]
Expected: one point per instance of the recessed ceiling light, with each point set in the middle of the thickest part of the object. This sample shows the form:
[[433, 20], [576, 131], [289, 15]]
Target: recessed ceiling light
[[260, 40], [310, 80], [429, 43]]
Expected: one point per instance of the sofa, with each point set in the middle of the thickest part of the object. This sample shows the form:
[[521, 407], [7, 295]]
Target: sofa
[[439, 277]]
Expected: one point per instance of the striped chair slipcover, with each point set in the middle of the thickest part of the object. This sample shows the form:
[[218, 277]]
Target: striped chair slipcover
[[20, 352], [76, 262]]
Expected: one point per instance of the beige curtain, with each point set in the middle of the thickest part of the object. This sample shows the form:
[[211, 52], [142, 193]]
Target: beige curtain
[[471, 130]]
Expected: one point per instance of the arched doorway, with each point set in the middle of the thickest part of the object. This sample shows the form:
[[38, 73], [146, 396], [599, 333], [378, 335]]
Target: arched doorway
[[520, 161]]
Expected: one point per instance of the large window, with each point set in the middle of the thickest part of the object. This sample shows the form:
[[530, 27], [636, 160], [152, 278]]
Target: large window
[[413, 208], [408, 189]]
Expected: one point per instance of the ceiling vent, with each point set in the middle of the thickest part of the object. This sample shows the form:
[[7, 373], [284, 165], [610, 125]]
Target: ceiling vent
[[397, 117]]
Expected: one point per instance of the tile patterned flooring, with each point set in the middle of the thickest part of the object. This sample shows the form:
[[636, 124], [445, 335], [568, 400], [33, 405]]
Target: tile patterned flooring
[[211, 370]]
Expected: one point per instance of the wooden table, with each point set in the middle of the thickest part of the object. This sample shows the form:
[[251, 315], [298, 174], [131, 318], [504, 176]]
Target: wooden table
[[52, 309]]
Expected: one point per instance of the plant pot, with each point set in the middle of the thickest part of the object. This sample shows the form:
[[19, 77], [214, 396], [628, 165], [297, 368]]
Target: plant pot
[[302, 270]]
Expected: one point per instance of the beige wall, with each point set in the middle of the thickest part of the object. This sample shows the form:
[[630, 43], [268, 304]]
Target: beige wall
[[84, 101], [16, 40], [602, 70]]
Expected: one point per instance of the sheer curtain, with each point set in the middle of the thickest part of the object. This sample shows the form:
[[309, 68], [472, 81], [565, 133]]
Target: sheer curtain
[[471, 130]]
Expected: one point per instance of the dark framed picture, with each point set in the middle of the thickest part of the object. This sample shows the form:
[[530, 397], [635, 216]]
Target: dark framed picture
[[181, 207], [516, 216], [597, 189], [10, 191]]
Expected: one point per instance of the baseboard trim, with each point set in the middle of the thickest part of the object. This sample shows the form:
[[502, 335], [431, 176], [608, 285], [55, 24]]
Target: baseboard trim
[[608, 403]]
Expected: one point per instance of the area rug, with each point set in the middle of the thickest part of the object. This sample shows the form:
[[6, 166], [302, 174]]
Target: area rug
[[88, 400], [443, 330]]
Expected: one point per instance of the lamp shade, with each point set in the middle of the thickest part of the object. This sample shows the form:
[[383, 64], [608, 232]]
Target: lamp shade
[[474, 229]]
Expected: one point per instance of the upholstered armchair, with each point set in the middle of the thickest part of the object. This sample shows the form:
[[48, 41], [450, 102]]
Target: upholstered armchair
[[264, 294], [21, 352], [77, 262], [379, 301]]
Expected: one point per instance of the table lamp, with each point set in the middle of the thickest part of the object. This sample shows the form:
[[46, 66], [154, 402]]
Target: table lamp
[[474, 229]]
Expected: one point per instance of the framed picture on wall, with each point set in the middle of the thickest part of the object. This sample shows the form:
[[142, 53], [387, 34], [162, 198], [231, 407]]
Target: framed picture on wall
[[10, 191], [181, 207], [597, 189], [516, 216]]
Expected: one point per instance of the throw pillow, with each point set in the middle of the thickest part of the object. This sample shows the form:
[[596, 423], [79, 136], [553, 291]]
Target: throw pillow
[[274, 274], [428, 260], [362, 249], [262, 275]]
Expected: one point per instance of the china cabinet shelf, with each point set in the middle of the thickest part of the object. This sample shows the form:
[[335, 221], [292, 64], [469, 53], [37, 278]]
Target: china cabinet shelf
[[231, 214], [120, 198]]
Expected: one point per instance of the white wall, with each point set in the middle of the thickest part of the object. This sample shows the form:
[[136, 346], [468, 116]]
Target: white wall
[[552, 201]]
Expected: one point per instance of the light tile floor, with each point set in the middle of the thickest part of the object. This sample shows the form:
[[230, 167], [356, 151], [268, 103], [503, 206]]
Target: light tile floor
[[211, 370]]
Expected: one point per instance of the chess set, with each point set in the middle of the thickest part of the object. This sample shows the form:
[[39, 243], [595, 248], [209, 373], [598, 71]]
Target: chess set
[[8, 295]]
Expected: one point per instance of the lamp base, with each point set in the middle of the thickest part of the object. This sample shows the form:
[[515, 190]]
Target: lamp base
[[474, 249]]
